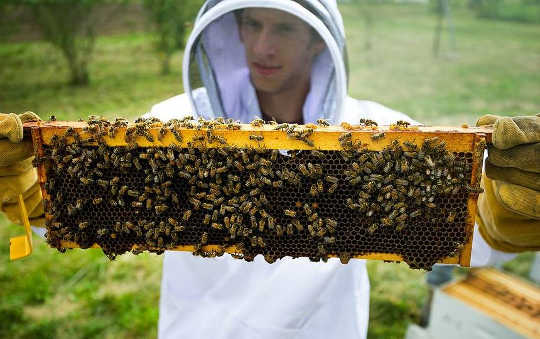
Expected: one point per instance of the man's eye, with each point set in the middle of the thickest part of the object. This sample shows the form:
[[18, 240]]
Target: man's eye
[[284, 29], [252, 24]]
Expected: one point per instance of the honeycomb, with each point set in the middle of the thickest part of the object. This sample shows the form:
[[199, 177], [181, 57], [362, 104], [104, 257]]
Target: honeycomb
[[406, 199]]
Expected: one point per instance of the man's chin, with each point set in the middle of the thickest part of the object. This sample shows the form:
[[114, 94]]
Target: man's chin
[[266, 88]]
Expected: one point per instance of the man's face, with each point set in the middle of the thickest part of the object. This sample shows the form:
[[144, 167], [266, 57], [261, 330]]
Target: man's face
[[279, 48]]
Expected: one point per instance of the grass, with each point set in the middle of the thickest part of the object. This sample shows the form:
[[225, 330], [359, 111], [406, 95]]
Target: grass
[[80, 294]]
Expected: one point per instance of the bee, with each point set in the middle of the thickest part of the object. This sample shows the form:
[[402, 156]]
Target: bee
[[367, 122], [321, 250], [217, 226], [256, 137], [345, 137], [346, 125], [332, 188], [52, 118], [277, 184], [323, 122], [274, 155], [279, 230], [86, 181], [412, 146], [132, 193], [204, 238], [207, 206], [372, 228], [102, 232], [257, 122], [298, 225], [474, 190], [403, 123], [331, 223], [320, 186], [187, 215], [290, 213], [196, 203], [83, 225], [313, 190], [161, 208], [377, 136], [262, 223], [344, 258]]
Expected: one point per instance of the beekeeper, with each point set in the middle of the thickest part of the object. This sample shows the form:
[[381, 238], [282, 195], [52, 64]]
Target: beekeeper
[[286, 60]]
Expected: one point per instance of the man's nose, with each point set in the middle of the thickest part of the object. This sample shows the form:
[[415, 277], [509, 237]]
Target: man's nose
[[265, 44]]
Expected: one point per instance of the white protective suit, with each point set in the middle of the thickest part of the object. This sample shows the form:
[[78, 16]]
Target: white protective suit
[[292, 298]]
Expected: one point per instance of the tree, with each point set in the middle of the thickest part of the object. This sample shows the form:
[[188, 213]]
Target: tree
[[69, 25], [172, 20]]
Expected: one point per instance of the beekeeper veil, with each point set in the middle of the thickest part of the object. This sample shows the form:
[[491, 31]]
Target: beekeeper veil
[[216, 73]]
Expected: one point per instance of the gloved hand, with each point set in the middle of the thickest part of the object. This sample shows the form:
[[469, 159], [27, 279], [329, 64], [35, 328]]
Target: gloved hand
[[17, 175], [509, 209]]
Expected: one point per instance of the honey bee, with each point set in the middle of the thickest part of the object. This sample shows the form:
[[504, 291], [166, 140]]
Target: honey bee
[[274, 155], [217, 226], [132, 193], [187, 215], [204, 238], [87, 181], [83, 225], [320, 186], [377, 136], [313, 190], [474, 190], [279, 230], [161, 208], [367, 122], [299, 227], [346, 125], [321, 250], [344, 258], [257, 122], [332, 188], [256, 137], [323, 122], [290, 213]]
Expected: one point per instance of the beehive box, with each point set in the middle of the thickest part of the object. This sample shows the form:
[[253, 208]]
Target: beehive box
[[396, 193]]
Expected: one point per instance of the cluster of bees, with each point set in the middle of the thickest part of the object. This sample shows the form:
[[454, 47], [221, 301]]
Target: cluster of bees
[[159, 198]]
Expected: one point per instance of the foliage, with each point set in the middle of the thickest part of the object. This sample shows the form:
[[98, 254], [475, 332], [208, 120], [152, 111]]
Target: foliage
[[172, 19], [509, 10], [69, 25]]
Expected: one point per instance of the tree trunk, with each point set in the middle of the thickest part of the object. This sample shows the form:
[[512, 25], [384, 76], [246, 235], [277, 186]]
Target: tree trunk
[[166, 64]]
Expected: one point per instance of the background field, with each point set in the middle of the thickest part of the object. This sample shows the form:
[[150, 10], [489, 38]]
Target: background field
[[493, 69]]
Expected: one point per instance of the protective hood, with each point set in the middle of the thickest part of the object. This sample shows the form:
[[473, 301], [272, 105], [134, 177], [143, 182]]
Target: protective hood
[[216, 76]]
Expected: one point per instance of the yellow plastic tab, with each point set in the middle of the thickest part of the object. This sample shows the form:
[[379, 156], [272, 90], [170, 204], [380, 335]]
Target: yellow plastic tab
[[21, 246]]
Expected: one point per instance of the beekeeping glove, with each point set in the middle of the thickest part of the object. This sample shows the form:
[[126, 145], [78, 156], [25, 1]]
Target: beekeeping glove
[[509, 209], [17, 175]]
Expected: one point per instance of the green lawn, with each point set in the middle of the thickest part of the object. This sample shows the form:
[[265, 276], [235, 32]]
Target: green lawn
[[80, 294]]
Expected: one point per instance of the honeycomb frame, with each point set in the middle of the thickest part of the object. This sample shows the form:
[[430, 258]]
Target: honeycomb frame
[[460, 141]]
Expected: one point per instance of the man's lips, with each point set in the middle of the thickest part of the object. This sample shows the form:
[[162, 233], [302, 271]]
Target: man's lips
[[265, 70]]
